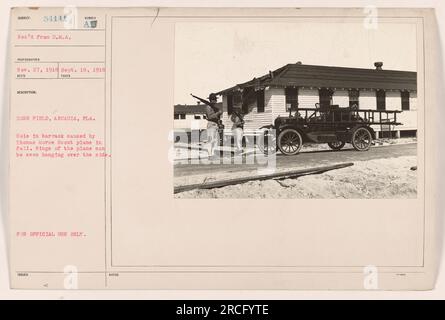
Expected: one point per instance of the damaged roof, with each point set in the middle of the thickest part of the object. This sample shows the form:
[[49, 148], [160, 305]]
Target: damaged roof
[[300, 75]]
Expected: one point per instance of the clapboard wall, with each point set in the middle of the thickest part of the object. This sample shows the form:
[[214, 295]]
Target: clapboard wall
[[254, 119], [275, 106]]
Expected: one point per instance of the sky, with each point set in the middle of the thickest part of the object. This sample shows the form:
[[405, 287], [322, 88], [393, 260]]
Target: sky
[[210, 57]]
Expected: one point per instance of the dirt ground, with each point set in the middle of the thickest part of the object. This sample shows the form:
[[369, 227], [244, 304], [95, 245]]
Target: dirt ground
[[181, 153], [390, 178]]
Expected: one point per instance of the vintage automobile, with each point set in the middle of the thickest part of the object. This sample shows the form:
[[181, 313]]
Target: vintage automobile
[[331, 124]]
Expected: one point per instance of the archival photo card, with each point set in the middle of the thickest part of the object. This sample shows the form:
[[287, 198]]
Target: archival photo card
[[172, 148]]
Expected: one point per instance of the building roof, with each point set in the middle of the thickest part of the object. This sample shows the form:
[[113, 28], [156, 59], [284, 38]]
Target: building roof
[[192, 109], [300, 75]]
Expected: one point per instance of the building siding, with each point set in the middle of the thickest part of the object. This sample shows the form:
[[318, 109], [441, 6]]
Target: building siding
[[308, 98], [253, 120], [394, 101], [413, 101], [368, 100], [276, 101], [190, 123], [225, 117], [275, 105], [341, 98], [409, 120]]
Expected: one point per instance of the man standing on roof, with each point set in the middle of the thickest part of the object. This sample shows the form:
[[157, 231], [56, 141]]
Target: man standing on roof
[[213, 114]]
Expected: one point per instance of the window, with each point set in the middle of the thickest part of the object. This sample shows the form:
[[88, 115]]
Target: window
[[237, 98], [260, 101], [248, 100], [405, 100], [291, 99], [325, 98], [229, 104], [381, 100], [354, 96], [182, 116], [197, 117], [176, 116], [408, 133]]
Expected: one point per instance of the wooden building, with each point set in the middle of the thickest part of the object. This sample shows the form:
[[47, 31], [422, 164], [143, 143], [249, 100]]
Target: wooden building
[[281, 91], [188, 118]]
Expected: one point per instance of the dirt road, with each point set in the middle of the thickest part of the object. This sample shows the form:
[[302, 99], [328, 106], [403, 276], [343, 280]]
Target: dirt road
[[310, 159]]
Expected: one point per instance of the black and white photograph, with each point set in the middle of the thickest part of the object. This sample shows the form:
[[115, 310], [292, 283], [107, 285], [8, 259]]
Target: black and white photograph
[[305, 109]]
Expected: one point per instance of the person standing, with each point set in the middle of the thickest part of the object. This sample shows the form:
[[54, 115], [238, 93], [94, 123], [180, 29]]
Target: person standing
[[213, 114], [238, 129]]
